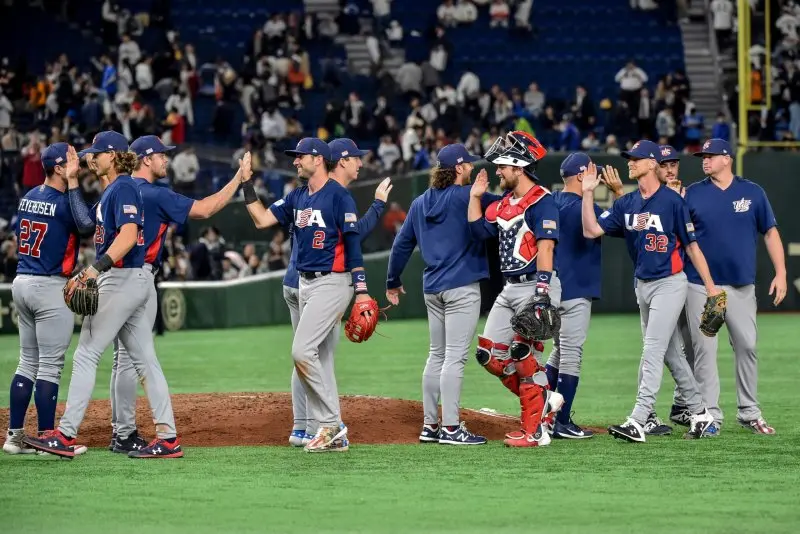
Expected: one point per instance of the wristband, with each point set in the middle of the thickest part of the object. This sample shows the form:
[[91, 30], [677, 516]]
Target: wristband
[[103, 264], [359, 282], [249, 191], [543, 282]]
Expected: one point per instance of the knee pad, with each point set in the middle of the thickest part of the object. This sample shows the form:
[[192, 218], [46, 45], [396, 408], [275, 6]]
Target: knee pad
[[504, 369]]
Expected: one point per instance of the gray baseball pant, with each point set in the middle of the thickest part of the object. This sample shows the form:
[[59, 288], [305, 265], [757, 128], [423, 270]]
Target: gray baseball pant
[[452, 319], [567, 354]]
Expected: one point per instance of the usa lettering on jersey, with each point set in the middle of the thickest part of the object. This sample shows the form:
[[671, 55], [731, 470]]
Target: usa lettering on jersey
[[643, 221], [37, 207], [308, 217]]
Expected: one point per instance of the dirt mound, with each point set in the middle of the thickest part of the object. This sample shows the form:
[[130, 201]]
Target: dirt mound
[[215, 420]]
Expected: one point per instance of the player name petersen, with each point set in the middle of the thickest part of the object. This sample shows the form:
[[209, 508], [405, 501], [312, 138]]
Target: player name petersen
[[38, 207]]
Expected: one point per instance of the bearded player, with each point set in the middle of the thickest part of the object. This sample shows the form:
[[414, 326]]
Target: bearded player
[[526, 223]]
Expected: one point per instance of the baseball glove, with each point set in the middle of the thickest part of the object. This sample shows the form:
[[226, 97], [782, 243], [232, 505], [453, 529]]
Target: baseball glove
[[81, 294], [359, 326], [713, 315], [537, 319]]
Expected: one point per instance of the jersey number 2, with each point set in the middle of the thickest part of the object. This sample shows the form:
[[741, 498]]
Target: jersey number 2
[[319, 239], [26, 228], [656, 243]]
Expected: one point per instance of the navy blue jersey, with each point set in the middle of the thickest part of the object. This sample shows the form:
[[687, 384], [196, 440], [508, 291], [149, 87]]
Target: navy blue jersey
[[319, 223], [162, 206], [47, 237], [365, 226], [579, 259], [120, 204], [727, 224], [519, 223], [656, 228]]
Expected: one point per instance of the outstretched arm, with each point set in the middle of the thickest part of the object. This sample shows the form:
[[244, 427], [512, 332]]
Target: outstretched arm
[[262, 217], [591, 228], [80, 211], [210, 205]]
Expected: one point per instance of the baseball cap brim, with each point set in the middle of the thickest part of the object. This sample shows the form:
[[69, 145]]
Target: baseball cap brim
[[90, 150], [299, 153], [471, 158], [709, 153]]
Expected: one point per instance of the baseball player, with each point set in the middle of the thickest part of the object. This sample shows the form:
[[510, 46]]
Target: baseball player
[[455, 263], [47, 247], [656, 220], [343, 168], [330, 267], [124, 283], [162, 207], [579, 269], [526, 221], [728, 213]]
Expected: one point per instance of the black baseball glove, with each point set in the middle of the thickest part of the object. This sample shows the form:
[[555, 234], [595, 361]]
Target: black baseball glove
[[537, 319], [713, 316]]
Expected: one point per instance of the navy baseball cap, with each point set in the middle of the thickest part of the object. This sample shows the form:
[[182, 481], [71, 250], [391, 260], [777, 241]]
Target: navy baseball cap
[[643, 149], [715, 147], [455, 154], [311, 146], [574, 164], [345, 148], [148, 145], [667, 153], [55, 154], [108, 141]]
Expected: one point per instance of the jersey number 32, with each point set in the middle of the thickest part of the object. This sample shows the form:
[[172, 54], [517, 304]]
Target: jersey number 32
[[28, 229]]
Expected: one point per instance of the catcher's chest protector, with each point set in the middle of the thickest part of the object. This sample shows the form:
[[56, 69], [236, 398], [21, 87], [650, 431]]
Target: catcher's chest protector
[[517, 242]]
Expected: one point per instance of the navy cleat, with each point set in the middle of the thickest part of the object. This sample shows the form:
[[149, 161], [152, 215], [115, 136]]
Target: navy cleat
[[656, 427], [160, 448], [134, 442], [430, 434], [52, 442], [570, 430], [460, 436]]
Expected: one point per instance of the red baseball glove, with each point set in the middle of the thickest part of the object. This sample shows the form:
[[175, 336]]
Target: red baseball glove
[[360, 326]]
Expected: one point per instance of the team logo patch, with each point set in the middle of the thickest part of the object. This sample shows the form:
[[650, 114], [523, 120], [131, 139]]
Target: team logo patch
[[742, 205], [350, 217], [665, 151], [548, 224], [635, 145], [706, 145], [605, 214], [689, 227], [129, 209]]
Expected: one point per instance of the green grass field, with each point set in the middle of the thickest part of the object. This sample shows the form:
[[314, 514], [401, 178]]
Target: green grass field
[[736, 483]]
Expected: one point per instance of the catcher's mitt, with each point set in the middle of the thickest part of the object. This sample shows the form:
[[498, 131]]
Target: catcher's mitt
[[713, 315], [81, 294], [537, 319], [359, 326]]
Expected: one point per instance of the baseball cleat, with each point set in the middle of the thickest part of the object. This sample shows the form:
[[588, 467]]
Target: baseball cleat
[[53, 442], [299, 438], [14, 443], [540, 438], [570, 430], [460, 436], [713, 431], [680, 415], [630, 430], [134, 442], [160, 448], [656, 427], [323, 440], [699, 424], [758, 426], [113, 440], [429, 434]]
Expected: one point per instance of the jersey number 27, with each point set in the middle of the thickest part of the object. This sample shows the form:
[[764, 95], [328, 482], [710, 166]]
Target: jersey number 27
[[26, 229]]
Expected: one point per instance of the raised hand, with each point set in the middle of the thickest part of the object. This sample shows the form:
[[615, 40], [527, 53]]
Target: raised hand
[[612, 180], [73, 163], [383, 190], [245, 167], [590, 180], [481, 184]]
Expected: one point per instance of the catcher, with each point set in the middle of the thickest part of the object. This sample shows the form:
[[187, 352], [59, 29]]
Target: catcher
[[525, 313], [331, 268]]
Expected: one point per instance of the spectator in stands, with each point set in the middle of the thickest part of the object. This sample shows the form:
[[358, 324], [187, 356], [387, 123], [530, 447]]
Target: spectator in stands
[[9, 252], [570, 138], [6, 109], [692, 129], [501, 109], [274, 29], [722, 12], [381, 11], [534, 100], [185, 168], [206, 256], [110, 16], [32, 170], [277, 258], [466, 12], [722, 130], [590, 143], [787, 23], [468, 89], [394, 34], [393, 218], [447, 13], [522, 16], [273, 124], [109, 81], [583, 113], [409, 78], [229, 272], [612, 147], [438, 58], [353, 116], [389, 153], [631, 79], [499, 12], [412, 137], [644, 116], [181, 102], [174, 128], [129, 50]]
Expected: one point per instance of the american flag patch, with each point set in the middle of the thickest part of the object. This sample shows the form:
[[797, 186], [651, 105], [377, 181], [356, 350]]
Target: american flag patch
[[547, 223], [350, 217], [129, 209], [689, 227]]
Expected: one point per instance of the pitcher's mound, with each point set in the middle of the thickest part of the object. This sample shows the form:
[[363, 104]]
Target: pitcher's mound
[[231, 419]]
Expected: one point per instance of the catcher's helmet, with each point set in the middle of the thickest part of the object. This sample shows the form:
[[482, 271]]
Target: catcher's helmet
[[518, 149]]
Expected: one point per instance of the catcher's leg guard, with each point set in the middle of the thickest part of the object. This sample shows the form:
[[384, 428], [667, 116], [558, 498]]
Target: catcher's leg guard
[[532, 397], [502, 369]]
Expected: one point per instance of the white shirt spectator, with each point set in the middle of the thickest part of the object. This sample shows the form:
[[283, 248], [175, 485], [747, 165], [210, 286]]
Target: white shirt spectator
[[144, 76], [389, 153], [274, 28], [447, 13], [183, 105], [130, 50], [374, 49], [381, 8], [6, 109], [447, 93], [107, 13], [273, 125], [185, 167], [522, 16], [409, 140], [438, 58], [631, 79], [466, 12], [409, 77], [468, 87], [722, 11], [534, 99], [590, 142], [787, 24], [499, 13], [394, 33], [757, 54], [428, 113]]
